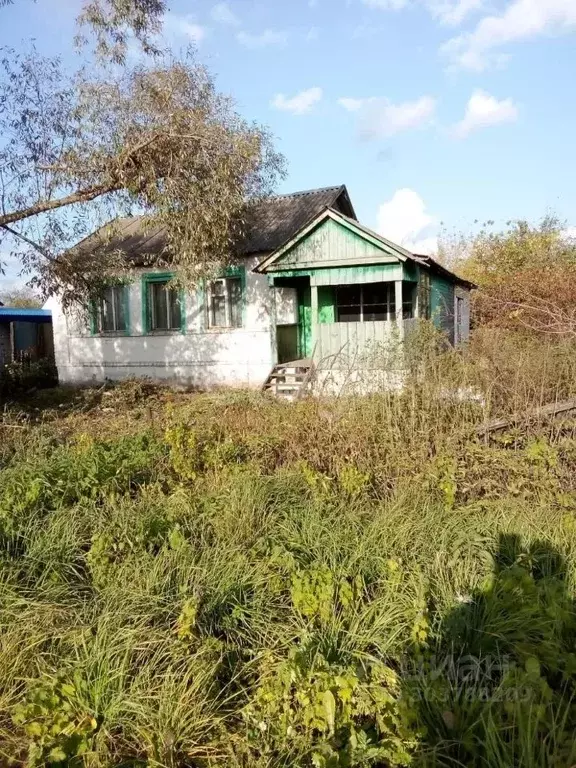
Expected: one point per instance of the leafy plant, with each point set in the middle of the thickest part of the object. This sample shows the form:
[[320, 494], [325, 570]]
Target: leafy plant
[[56, 729]]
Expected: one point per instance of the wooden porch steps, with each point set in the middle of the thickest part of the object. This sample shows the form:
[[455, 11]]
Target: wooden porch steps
[[291, 380]]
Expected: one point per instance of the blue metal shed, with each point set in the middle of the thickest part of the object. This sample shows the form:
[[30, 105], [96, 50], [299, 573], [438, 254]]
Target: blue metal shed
[[25, 334], [16, 314]]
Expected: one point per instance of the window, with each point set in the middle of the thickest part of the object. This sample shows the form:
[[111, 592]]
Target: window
[[408, 300], [365, 303], [164, 306], [424, 295], [225, 303], [459, 318], [111, 310]]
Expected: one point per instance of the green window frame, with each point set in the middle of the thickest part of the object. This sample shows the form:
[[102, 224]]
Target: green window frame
[[163, 306], [110, 312], [365, 302]]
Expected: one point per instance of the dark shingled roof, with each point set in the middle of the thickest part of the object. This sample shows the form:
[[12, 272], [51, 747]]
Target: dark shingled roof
[[276, 220], [272, 222]]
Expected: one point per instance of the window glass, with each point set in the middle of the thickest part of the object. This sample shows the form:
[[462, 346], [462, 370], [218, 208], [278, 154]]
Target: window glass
[[174, 309], [120, 319], [348, 303], [376, 293], [459, 318], [349, 314], [235, 291], [424, 295], [407, 300], [225, 303], [348, 295], [107, 311], [164, 305], [218, 304], [370, 302], [375, 312], [111, 315]]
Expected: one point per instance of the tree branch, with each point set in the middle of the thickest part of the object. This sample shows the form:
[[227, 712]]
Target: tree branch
[[42, 206], [42, 251]]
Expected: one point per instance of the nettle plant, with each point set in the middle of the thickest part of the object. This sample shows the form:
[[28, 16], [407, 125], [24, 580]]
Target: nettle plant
[[333, 714], [53, 721]]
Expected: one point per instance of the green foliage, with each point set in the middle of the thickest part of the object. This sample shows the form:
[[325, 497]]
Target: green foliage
[[229, 583], [353, 482], [19, 377], [50, 718], [491, 256], [330, 714], [526, 277], [192, 452], [87, 470], [187, 620]]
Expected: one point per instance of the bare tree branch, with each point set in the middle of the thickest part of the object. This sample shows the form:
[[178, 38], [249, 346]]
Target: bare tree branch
[[37, 247]]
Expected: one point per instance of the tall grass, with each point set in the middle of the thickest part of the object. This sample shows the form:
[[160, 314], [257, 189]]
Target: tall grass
[[225, 580]]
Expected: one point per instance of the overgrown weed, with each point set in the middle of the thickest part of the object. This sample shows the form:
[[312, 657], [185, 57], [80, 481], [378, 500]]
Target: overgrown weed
[[227, 580]]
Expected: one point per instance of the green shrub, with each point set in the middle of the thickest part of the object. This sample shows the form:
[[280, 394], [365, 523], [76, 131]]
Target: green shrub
[[17, 378]]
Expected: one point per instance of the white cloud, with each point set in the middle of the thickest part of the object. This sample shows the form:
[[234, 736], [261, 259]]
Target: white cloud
[[405, 220], [521, 20], [223, 14], [450, 12], [352, 105], [453, 12], [386, 5], [425, 246], [482, 111], [265, 39], [312, 34], [379, 118], [299, 104], [183, 26]]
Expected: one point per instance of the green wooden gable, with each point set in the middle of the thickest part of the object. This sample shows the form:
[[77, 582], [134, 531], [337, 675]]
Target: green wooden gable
[[332, 245], [333, 241]]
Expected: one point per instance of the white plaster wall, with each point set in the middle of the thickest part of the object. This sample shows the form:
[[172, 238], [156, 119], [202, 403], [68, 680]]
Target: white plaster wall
[[199, 357], [286, 305]]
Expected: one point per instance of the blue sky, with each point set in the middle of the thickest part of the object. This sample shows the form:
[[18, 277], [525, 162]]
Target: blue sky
[[431, 111]]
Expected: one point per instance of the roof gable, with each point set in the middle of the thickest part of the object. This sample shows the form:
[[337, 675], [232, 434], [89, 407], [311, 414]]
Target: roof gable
[[275, 220], [332, 239], [270, 223]]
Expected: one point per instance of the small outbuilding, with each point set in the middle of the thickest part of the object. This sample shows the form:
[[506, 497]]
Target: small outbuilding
[[25, 335]]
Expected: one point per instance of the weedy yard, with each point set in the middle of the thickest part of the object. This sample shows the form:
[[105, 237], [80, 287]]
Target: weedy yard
[[226, 580]]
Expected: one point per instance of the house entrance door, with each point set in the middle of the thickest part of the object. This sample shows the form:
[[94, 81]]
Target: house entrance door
[[293, 318], [304, 321]]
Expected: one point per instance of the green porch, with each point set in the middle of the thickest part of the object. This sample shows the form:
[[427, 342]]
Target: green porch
[[322, 319], [338, 287]]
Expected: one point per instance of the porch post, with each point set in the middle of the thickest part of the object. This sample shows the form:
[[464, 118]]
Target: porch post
[[314, 311], [273, 326], [398, 302]]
